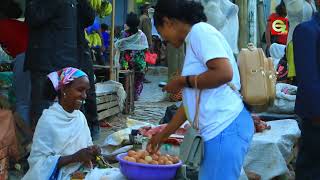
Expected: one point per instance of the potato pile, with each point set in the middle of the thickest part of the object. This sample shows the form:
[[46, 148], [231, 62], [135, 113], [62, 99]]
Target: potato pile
[[144, 157]]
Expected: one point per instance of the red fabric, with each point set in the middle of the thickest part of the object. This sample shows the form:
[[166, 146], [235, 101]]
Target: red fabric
[[281, 39], [14, 36]]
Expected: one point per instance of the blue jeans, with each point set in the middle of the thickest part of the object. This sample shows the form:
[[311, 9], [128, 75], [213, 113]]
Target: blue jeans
[[22, 88], [225, 153]]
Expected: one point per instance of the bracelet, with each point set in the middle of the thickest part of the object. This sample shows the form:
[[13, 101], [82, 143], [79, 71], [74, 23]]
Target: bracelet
[[188, 82]]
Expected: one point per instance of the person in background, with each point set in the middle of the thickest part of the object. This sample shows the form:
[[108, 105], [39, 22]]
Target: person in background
[[156, 38], [146, 27], [145, 23], [132, 48], [86, 17], [69, 145], [14, 35], [306, 40], [224, 123], [97, 49], [105, 33], [281, 12], [57, 40]]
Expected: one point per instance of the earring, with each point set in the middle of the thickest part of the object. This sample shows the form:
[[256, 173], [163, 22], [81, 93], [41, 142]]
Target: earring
[[64, 94]]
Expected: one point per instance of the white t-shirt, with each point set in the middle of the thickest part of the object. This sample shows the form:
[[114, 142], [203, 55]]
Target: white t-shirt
[[219, 107]]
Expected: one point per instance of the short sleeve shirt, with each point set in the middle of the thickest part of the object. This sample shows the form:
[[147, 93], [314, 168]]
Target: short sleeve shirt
[[220, 106]]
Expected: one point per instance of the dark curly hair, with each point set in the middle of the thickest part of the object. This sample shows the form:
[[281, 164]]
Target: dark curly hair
[[187, 11], [281, 9], [133, 22]]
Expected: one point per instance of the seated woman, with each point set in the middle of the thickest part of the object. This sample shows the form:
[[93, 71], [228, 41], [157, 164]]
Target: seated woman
[[62, 141]]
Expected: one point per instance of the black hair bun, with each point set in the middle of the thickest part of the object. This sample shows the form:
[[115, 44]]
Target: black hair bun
[[188, 11], [194, 12], [133, 22]]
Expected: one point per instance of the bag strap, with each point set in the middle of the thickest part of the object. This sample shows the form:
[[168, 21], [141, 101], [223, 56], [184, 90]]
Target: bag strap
[[198, 95], [234, 89]]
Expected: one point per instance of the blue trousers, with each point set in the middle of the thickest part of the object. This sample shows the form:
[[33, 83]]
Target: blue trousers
[[225, 153]]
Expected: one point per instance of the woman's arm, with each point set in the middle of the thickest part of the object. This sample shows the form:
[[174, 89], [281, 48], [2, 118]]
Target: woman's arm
[[219, 72], [178, 119], [66, 160], [268, 34]]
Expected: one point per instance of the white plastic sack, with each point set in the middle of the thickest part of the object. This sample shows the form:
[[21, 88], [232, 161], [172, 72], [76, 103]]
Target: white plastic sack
[[270, 150], [110, 87], [117, 138], [223, 15], [298, 12], [277, 51], [285, 99], [114, 150], [105, 174]]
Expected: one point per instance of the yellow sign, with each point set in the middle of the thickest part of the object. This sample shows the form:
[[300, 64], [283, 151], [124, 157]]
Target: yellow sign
[[279, 27]]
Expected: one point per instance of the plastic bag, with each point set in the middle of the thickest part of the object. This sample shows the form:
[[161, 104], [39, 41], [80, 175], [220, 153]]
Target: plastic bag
[[285, 99], [151, 58], [223, 15], [105, 174]]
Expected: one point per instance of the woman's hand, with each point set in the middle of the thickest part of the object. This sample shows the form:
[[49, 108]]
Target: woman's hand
[[88, 154], [155, 142], [96, 150], [84, 156], [175, 85]]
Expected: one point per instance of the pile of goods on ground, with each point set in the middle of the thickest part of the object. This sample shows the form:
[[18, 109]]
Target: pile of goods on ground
[[144, 157]]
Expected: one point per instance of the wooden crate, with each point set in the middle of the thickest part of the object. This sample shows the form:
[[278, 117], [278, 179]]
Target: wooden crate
[[107, 105], [127, 80]]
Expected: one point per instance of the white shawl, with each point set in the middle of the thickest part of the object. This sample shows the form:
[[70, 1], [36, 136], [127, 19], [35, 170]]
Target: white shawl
[[137, 41], [58, 133]]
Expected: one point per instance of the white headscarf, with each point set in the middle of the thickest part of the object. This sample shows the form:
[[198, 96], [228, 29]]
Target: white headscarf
[[137, 41]]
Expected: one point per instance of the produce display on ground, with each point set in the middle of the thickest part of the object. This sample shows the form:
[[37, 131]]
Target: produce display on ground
[[144, 157]]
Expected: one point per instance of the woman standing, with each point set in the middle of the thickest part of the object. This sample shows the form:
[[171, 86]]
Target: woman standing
[[132, 49], [224, 123], [281, 12]]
